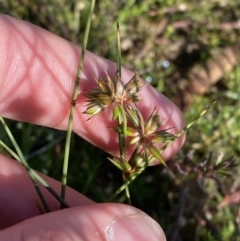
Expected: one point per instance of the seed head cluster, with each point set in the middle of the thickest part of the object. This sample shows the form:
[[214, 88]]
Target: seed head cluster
[[144, 134], [113, 92]]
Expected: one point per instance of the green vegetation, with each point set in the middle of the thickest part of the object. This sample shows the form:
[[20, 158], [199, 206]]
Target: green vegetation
[[179, 45]]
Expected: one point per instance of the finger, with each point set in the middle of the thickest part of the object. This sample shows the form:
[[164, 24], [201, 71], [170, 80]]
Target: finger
[[19, 199], [98, 222], [37, 74]]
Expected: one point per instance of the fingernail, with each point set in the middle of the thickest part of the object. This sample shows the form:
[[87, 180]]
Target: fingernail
[[134, 227]]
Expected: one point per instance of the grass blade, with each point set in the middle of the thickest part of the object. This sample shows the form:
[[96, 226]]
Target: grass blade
[[35, 177], [19, 156]]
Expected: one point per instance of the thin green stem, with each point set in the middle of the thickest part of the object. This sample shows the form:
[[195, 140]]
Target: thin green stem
[[10, 151], [23, 161], [203, 112], [123, 149], [34, 176], [127, 192], [118, 51], [125, 184], [74, 99], [122, 146], [122, 120], [123, 125]]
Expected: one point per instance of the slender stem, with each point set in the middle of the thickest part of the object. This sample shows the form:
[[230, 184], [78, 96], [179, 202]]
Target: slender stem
[[10, 151], [123, 125], [74, 98], [123, 149], [118, 51], [122, 112], [125, 184], [127, 192], [23, 161], [188, 126], [34, 175]]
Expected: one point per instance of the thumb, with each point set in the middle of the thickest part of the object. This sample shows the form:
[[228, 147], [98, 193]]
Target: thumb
[[98, 222]]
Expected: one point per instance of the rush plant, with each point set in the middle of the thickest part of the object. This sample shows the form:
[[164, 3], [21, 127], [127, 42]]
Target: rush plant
[[145, 136]]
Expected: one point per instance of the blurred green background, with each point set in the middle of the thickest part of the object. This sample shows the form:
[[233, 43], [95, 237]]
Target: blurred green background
[[190, 51]]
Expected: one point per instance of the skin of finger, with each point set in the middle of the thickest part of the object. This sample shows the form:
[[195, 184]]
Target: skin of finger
[[37, 74], [18, 197], [86, 223]]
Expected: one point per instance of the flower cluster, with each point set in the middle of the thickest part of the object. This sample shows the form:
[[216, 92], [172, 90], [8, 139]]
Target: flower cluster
[[112, 92], [143, 134]]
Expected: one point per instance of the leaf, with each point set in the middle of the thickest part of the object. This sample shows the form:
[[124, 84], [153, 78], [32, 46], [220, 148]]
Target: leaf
[[134, 84], [163, 137], [116, 112], [121, 164], [156, 153], [131, 132], [153, 122], [134, 140], [93, 109], [134, 116]]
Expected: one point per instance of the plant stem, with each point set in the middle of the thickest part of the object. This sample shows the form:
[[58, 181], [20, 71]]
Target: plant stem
[[23, 161], [118, 51], [125, 184], [123, 125], [35, 177], [127, 192], [122, 137], [203, 112], [74, 98]]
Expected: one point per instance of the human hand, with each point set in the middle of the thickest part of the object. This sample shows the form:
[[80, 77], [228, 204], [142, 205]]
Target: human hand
[[37, 74]]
